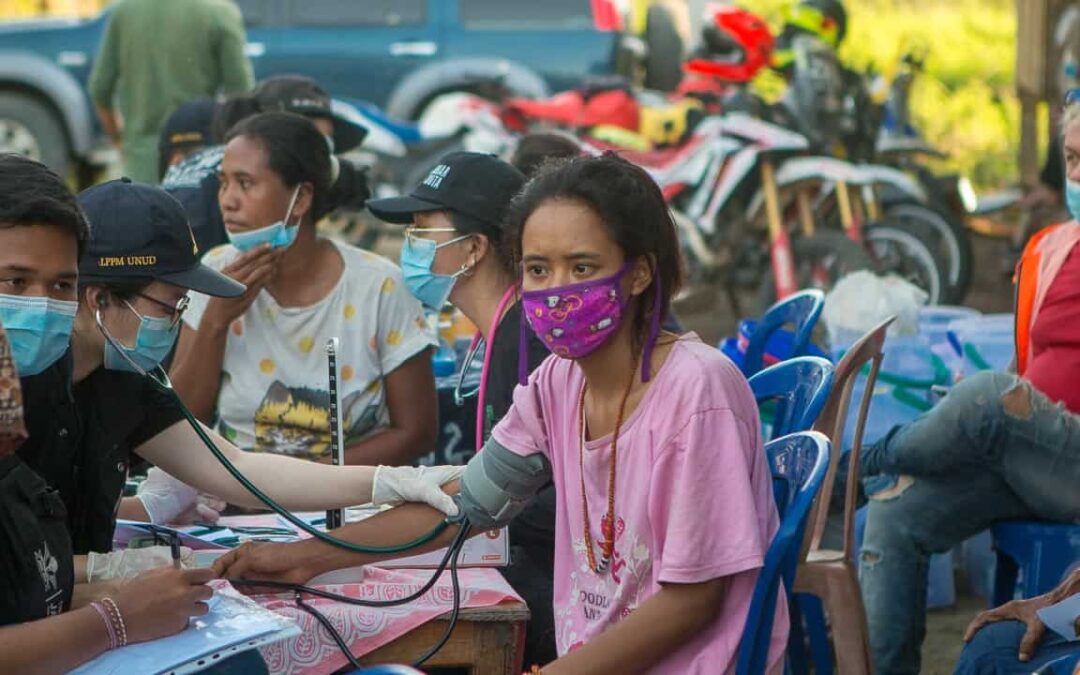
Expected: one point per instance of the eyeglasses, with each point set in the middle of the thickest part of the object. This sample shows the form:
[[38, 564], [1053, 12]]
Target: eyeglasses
[[412, 233], [175, 312]]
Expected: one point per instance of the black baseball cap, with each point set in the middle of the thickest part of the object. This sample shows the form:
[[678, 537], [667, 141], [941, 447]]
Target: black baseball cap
[[472, 183], [303, 96], [141, 233], [188, 126]]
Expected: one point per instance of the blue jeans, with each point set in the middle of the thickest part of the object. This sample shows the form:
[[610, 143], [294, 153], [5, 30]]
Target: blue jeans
[[993, 449], [994, 649]]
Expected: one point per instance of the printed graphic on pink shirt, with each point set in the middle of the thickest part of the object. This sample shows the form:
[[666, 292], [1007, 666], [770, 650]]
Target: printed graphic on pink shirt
[[598, 600]]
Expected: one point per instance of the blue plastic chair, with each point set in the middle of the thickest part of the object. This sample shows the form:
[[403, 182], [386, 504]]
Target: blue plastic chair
[[797, 388], [1032, 557], [1066, 665], [802, 310], [798, 463]]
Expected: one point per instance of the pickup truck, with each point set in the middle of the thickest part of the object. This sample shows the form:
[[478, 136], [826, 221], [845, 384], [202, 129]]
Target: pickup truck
[[397, 54]]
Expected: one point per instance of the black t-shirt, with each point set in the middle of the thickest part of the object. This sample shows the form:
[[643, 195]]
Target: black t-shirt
[[82, 440], [503, 375], [37, 573], [532, 532]]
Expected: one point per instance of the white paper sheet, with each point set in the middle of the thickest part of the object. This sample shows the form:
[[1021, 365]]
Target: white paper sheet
[[1061, 618]]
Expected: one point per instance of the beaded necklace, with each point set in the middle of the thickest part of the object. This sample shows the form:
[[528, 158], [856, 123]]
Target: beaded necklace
[[607, 524]]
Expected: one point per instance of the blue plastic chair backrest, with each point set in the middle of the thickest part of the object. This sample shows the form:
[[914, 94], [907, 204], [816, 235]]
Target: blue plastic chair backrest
[[1066, 665], [798, 463], [801, 310], [800, 388]]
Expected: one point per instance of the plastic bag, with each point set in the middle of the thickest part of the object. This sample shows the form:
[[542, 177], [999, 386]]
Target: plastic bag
[[862, 300]]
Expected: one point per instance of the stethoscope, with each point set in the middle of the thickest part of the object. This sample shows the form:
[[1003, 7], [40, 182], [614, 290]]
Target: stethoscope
[[160, 379], [480, 391]]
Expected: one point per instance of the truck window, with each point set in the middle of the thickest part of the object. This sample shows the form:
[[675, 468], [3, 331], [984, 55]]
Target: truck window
[[505, 15], [357, 12], [255, 12]]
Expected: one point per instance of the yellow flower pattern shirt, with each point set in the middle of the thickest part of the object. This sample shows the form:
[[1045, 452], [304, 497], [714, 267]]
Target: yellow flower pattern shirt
[[274, 394]]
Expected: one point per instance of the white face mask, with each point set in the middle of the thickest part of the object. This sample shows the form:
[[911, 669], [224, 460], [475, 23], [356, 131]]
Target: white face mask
[[278, 235]]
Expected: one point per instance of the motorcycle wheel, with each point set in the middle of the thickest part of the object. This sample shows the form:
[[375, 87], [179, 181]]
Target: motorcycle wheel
[[907, 250], [949, 237], [820, 261]]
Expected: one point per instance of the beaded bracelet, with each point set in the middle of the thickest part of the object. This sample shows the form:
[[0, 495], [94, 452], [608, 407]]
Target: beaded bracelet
[[118, 621], [103, 613]]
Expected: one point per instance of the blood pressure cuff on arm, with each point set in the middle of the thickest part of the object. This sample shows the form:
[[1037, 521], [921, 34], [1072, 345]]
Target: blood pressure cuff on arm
[[498, 483]]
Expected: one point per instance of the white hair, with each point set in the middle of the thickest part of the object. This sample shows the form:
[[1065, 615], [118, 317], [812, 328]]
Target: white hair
[[1070, 116]]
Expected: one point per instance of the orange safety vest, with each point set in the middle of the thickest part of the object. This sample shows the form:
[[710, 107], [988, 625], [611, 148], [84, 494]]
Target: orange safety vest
[[1037, 268]]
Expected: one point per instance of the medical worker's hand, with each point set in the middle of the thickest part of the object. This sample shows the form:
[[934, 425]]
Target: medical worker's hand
[[159, 603], [132, 562], [394, 485], [168, 500]]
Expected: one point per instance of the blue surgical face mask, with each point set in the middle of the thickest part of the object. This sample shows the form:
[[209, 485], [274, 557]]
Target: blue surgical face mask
[[153, 342], [1072, 198], [278, 235], [39, 330], [417, 257]]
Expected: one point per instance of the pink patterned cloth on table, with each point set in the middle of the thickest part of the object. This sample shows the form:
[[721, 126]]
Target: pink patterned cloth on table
[[366, 629]]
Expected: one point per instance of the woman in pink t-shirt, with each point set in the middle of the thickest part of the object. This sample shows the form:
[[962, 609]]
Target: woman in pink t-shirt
[[665, 506]]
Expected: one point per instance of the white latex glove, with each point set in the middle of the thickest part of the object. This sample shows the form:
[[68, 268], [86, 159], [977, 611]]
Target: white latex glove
[[132, 562], [396, 484], [167, 500]]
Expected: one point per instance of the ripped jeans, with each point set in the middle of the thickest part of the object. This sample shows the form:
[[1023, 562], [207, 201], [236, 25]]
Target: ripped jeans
[[993, 449]]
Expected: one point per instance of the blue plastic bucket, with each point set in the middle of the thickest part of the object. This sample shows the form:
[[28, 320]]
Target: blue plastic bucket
[[983, 343], [934, 321], [908, 370]]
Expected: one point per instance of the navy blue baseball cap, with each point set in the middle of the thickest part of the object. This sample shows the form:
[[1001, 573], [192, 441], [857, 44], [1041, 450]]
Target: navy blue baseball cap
[[473, 183], [302, 95], [188, 126], [141, 233]]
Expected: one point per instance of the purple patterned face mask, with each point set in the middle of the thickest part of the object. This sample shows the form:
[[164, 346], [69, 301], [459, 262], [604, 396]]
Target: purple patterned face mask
[[574, 321]]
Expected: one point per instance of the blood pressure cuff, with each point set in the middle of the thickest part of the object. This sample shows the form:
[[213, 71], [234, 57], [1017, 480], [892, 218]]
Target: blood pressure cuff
[[498, 483]]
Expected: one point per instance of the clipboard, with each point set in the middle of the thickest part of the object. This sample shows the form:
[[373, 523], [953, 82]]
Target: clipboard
[[233, 625]]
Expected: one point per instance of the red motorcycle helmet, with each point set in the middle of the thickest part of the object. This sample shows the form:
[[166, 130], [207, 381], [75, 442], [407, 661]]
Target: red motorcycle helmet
[[732, 32]]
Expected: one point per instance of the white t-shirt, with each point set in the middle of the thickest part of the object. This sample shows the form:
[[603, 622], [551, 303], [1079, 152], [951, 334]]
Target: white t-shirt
[[274, 394]]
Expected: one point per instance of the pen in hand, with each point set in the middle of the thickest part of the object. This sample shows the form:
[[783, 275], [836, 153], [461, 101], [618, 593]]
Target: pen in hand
[[174, 545]]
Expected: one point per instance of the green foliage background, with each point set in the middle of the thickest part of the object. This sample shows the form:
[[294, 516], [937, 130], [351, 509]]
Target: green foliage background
[[964, 102]]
